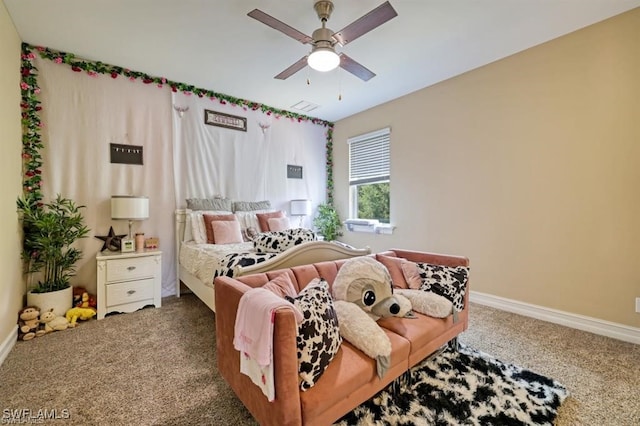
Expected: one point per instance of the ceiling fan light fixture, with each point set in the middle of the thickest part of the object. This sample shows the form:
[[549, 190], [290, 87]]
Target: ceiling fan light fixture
[[323, 59]]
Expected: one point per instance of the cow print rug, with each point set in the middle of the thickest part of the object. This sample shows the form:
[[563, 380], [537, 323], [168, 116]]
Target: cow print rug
[[466, 387]]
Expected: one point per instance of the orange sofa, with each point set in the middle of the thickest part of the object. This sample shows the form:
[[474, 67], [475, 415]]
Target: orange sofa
[[351, 377]]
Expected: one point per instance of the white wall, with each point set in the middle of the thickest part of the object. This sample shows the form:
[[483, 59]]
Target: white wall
[[529, 166]]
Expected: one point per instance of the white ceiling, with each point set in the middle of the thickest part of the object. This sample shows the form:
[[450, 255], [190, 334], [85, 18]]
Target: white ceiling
[[214, 45]]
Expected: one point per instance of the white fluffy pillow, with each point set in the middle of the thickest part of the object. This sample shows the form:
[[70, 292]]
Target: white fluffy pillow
[[248, 219]]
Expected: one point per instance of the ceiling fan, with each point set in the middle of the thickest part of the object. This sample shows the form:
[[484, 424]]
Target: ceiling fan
[[323, 56]]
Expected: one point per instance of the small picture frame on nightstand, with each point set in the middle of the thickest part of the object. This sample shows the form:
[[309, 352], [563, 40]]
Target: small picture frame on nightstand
[[128, 245]]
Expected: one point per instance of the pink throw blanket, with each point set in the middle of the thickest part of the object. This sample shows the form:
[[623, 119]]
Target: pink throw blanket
[[253, 333]]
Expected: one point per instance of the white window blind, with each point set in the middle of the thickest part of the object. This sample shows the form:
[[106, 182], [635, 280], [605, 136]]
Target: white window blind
[[369, 159]]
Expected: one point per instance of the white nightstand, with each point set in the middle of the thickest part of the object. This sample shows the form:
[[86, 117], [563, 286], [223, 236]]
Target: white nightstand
[[128, 281]]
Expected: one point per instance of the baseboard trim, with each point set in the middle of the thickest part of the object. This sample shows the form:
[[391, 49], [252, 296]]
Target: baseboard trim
[[580, 322], [7, 344]]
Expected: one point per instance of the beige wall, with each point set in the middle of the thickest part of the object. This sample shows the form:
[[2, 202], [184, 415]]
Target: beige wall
[[11, 284], [530, 166]]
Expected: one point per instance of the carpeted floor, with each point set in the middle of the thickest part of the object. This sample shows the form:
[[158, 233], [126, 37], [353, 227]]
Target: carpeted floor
[[157, 366]]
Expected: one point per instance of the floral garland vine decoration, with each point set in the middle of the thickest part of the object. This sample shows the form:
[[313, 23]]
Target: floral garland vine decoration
[[31, 107], [31, 125]]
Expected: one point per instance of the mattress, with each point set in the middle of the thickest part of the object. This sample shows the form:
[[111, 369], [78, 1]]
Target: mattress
[[207, 261]]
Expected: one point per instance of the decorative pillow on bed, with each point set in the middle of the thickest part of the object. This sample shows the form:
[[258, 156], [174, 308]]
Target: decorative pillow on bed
[[251, 205], [279, 241], [278, 223], [208, 218], [263, 219], [249, 219], [209, 204], [447, 281], [318, 338], [226, 231], [198, 228]]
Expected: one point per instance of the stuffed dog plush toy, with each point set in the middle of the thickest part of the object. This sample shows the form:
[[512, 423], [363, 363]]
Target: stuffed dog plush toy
[[362, 294]]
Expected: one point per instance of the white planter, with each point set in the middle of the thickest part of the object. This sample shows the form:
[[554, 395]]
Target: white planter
[[60, 300]]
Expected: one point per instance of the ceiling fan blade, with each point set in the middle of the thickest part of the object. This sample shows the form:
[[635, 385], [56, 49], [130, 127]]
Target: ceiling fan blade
[[366, 23], [301, 63], [280, 26], [355, 68]]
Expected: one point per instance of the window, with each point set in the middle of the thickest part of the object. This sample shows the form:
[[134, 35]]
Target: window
[[369, 174]]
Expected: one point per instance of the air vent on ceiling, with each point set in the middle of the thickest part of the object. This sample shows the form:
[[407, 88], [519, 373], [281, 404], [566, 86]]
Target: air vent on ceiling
[[305, 106]]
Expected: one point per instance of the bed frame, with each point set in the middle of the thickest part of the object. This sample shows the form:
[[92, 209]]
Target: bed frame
[[302, 254]]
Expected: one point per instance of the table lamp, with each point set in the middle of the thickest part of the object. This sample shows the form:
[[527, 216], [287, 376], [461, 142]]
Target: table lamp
[[129, 207], [300, 208]]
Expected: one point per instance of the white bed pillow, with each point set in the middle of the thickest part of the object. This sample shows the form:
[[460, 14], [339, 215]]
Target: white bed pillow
[[198, 229]]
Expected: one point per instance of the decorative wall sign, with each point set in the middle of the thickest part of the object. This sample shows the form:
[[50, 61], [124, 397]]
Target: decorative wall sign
[[294, 172], [229, 121], [126, 154]]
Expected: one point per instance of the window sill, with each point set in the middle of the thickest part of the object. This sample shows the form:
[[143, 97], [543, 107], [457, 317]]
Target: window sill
[[369, 226]]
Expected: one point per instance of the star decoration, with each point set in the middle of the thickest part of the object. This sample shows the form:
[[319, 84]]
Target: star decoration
[[111, 241]]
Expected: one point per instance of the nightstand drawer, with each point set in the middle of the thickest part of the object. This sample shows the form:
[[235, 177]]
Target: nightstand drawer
[[129, 292], [130, 269]]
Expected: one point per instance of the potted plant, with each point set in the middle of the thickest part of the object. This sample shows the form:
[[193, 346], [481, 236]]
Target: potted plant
[[49, 231], [328, 222]]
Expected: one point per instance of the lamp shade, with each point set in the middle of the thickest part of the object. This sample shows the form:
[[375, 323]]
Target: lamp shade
[[323, 59], [300, 207], [129, 207]]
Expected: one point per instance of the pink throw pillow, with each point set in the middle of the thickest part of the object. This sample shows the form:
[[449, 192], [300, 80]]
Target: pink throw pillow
[[412, 275], [226, 231], [278, 223], [394, 266], [208, 218], [282, 286], [263, 219]]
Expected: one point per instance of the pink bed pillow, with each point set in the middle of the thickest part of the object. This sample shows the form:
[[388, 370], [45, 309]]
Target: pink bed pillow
[[263, 219], [208, 218], [226, 231], [282, 286], [278, 223]]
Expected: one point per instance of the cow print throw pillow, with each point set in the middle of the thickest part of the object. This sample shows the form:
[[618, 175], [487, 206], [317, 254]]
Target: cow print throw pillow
[[318, 338], [279, 241], [449, 282]]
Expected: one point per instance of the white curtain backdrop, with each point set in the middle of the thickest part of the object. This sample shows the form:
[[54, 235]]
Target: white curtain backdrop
[[183, 157], [82, 115], [250, 166]]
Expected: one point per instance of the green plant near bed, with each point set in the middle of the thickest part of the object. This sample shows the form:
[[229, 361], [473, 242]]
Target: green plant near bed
[[328, 222], [49, 230]]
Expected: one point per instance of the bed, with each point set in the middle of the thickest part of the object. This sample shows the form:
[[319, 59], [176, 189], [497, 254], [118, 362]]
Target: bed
[[196, 262]]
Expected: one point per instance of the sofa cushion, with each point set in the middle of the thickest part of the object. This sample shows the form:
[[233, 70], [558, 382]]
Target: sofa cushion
[[318, 334], [447, 281], [351, 377], [281, 285]]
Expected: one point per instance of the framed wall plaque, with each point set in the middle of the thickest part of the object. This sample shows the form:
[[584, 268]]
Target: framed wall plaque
[[294, 172], [214, 118], [126, 154]]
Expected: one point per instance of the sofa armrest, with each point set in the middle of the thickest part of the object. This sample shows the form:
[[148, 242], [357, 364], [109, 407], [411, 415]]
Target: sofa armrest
[[285, 409]]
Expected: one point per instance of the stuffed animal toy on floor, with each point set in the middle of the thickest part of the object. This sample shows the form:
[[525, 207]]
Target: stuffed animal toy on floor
[[49, 322], [75, 314], [28, 322], [363, 293]]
